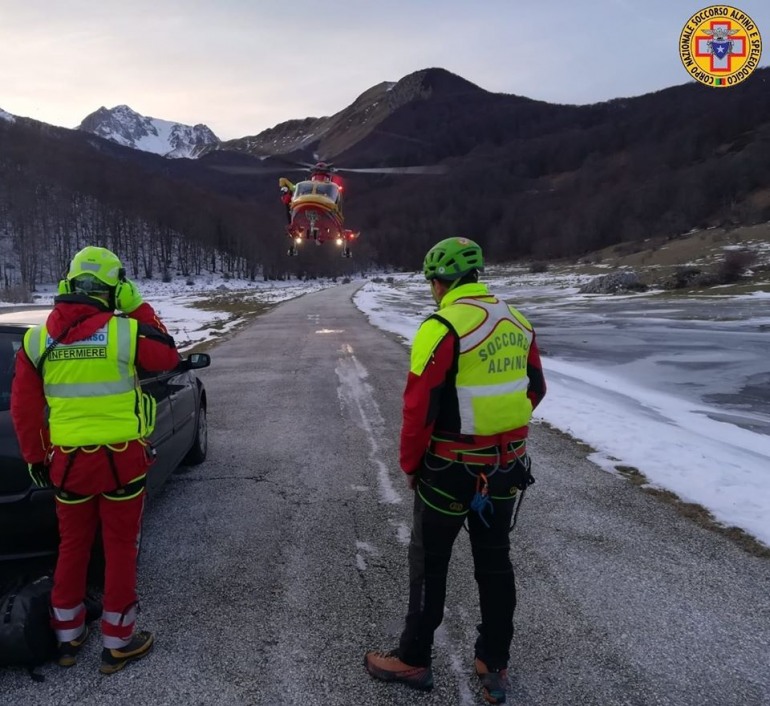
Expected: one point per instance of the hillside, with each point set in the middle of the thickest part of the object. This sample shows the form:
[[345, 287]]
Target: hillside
[[565, 180], [717, 260], [363, 120], [529, 180]]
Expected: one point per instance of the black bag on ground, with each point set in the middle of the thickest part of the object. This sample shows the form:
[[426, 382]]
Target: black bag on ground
[[26, 636]]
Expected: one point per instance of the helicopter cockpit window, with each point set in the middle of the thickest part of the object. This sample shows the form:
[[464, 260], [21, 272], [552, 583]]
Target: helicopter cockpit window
[[304, 188], [329, 190]]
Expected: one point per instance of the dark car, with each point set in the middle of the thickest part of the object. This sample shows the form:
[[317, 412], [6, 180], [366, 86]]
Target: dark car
[[27, 516]]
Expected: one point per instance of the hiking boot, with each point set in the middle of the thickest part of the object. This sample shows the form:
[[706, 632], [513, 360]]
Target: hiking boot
[[67, 652], [493, 684], [387, 666], [114, 660]]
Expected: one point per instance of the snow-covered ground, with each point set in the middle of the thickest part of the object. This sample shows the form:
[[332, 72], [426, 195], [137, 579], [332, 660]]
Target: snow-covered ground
[[677, 442], [179, 305]]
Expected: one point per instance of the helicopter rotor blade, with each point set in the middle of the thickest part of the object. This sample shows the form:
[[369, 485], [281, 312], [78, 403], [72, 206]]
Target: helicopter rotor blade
[[298, 166], [423, 169], [246, 171]]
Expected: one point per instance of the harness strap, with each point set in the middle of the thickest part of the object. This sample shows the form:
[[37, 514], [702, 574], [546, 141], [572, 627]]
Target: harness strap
[[130, 490], [518, 507], [113, 468], [69, 498], [471, 454], [440, 500], [67, 468]]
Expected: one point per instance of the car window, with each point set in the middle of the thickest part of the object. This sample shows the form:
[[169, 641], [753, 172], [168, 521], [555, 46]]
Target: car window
[[9, 344]]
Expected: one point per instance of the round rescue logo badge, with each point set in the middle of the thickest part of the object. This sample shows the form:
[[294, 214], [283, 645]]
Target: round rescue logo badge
[[720, 46]]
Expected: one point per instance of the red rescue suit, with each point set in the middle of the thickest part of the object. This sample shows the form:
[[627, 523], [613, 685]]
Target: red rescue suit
[[93, 473]]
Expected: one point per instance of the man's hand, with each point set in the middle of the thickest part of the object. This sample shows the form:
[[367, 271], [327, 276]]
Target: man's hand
[[411, 480], [127, 297], [39, 474]]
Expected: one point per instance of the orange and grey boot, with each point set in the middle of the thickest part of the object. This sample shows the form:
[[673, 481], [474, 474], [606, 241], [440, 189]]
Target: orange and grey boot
[[387, 666], [493, 683], [67, 652], [114, 659]]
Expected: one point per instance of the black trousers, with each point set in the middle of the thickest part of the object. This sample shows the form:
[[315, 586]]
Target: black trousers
[[434, 530]]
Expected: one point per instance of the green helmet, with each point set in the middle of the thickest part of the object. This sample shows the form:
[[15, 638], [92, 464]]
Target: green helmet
[[452, 259], [92, 266]]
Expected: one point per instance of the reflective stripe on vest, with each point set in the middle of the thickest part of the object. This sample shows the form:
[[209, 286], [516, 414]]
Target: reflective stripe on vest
[[91, 385], [491, 380]]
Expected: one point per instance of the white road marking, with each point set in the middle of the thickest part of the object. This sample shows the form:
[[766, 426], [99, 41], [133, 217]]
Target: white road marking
[[464, 695], [357, 396]]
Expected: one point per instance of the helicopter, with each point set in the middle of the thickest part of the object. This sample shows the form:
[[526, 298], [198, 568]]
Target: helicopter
[[314, 205], [314, 209]]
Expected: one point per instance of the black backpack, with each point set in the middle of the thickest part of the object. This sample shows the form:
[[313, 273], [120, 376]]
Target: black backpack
[[26, 636]]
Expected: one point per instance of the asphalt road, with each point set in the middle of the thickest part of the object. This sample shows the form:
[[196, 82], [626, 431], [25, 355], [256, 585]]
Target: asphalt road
[[269, 570]]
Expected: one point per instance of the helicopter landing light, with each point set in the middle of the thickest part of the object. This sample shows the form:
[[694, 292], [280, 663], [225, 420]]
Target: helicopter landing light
[[298, 239], [339, 241]]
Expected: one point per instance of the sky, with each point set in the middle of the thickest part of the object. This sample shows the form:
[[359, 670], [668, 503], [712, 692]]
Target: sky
[[242, 66], [715, 464]]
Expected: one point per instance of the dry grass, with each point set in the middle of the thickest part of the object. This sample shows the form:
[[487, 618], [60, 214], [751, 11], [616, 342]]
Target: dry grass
[[658, 258], [241, 309]]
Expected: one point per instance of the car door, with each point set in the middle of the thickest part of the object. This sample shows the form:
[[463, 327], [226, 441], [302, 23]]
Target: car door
[[162, 438], [184, 406]]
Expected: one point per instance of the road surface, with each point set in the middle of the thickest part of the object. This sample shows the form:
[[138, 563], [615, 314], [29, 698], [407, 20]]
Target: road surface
[[268, 571]]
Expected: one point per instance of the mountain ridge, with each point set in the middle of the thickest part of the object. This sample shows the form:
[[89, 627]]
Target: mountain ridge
[[523, 177], [328, 136], [123, 125]]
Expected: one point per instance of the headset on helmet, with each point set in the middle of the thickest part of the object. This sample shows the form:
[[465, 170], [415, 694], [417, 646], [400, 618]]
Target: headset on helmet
[[93, 270], [452, 259]]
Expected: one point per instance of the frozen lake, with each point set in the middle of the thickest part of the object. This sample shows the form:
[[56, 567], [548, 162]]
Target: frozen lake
[[710, 350]]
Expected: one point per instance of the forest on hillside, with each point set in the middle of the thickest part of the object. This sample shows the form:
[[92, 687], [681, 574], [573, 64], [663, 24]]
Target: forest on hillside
[[528, 180], [613, 173], [59, 194]]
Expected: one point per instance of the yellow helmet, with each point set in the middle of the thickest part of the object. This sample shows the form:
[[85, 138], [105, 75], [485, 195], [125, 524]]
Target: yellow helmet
[[92, 268]]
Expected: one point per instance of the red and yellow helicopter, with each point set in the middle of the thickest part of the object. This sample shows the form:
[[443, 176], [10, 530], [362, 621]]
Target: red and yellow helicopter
[[314, 205], [314, 209]]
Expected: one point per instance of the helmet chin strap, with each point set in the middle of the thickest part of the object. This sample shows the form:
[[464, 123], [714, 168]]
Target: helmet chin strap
[[455, 282]]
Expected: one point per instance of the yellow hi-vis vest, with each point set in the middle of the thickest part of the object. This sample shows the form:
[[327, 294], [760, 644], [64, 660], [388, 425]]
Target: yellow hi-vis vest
[[494, 341], [91, 386]]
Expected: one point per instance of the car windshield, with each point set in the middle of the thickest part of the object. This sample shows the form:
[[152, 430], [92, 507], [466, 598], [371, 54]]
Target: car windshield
[[9, 344]]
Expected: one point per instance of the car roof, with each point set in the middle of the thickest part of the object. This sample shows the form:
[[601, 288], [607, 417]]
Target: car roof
[[15, 328], [22, 319]]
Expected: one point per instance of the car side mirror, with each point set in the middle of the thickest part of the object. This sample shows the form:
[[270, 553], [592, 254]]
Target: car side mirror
[[195, 361]]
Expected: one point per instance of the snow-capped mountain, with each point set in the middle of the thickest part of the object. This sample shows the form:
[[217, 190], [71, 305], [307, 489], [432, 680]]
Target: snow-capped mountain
[[130, 129]]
